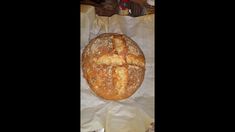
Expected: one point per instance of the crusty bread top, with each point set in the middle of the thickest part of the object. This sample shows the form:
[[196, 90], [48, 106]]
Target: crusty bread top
[[113, 66]]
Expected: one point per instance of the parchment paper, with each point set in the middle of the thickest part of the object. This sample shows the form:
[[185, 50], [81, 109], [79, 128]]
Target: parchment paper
[[136, 113]]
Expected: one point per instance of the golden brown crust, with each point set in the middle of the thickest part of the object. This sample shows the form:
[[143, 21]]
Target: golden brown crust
[[113, 66]]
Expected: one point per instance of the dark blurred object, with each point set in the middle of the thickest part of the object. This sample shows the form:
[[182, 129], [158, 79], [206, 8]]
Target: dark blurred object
[[98, 1], [106, 8], [110, 7], [140, 2], [136, 9]]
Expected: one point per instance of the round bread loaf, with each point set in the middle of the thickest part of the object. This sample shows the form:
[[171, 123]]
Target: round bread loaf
[[113, 66]]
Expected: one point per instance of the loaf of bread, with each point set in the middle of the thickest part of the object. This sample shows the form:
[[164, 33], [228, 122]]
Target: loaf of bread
[[113, 65]]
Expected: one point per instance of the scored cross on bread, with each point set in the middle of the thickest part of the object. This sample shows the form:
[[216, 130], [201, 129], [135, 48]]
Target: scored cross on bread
[[113, 66]]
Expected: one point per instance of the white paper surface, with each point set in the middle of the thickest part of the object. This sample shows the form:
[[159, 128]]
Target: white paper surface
[[136, 113]]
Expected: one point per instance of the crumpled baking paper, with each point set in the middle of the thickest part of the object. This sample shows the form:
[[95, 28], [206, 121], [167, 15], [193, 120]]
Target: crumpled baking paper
[[136, 113]]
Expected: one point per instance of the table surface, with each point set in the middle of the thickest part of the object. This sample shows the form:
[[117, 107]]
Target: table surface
[[109, 7]]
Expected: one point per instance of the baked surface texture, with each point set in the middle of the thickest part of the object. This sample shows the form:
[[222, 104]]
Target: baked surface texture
[[113, 65]]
